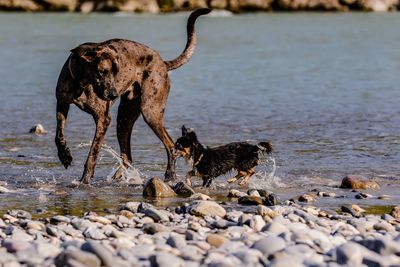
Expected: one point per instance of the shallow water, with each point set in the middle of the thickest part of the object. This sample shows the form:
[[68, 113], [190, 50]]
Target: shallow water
[[324, 88]]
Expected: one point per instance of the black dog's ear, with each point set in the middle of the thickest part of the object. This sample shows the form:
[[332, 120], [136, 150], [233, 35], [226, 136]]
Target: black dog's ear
[[184, 130], [192, 136]]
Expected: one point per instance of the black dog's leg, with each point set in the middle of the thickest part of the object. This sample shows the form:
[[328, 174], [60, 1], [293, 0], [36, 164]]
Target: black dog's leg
[[128, 112], [207, 180], [189, 177], [64, 153], [102, 119]]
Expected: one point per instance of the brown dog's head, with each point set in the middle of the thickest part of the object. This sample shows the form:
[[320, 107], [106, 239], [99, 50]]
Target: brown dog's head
[[185, 144], [97, 65]]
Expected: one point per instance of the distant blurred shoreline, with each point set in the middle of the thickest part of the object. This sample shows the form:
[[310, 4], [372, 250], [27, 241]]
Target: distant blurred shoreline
[[225, 6]]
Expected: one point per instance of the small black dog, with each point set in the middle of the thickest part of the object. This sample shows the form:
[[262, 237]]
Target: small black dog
[[209, 163]]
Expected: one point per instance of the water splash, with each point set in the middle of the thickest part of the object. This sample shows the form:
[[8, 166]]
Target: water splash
[[265, 178], [130, 175]]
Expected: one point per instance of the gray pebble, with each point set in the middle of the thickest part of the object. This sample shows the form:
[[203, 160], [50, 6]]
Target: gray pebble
[[176, 240], [76, 258], [269, 245], [103, 253]]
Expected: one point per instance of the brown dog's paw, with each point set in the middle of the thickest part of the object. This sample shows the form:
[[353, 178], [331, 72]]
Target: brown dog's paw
[[65, 157], [170, 176]]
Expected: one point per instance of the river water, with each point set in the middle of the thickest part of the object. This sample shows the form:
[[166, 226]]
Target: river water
[[323, 87]]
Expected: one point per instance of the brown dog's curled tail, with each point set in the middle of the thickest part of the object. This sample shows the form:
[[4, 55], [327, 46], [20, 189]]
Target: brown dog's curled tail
[[191, 40], [266, 146]]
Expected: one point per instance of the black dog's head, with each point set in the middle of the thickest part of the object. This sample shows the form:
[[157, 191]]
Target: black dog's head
[[98, 66], [186, 144]]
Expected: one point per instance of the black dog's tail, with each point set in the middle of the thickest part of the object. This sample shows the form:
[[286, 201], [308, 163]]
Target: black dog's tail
[[266, 147], [191, 40]]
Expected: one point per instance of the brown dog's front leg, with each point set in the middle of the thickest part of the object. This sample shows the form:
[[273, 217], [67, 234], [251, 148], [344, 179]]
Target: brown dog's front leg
[[64, 153], [102, 123]]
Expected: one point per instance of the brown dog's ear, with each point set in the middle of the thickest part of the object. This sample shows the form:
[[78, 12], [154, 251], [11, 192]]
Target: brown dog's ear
[[86, 53], [89, 56]]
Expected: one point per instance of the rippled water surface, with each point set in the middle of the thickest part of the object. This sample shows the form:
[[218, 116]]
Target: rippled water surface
[[324, 88]]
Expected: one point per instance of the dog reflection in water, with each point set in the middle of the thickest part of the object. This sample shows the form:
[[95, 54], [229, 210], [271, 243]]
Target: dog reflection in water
[[209, 163]]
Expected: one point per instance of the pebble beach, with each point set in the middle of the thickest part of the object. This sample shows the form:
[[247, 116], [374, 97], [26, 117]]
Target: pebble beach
[[203, 232]]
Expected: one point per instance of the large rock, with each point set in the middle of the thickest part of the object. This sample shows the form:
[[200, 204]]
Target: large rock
[[20, 5], [147, 6], [207, 208], [330, 5], [219, 4], [358, 182], [156, 188], [250, 5], [60, 5], [188, 4], [377, 5]]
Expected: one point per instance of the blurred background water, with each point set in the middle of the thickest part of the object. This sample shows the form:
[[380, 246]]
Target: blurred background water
[[324, 88]]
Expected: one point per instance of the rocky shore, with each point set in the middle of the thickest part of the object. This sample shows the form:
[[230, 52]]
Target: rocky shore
[[203, 232], [162, 6]]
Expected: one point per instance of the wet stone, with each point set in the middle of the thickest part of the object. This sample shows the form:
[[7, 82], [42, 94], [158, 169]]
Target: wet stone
[[358, 182], [271, 200], [157, 215], [250, 200], [157, 188], [60, 219], [253, 192], [183, 190], [233, 193], [395, 212], [131, 206], [20, 214], [362, 195], [349, 209], [306, 198]]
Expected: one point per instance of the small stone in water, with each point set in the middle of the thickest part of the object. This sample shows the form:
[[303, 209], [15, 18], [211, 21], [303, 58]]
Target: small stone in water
[[38, 129]]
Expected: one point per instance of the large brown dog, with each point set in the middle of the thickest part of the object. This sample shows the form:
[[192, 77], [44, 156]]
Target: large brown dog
[[95, 74]]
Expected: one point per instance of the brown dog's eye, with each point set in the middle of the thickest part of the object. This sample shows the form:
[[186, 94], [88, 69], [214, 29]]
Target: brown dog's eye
[[104, 72]]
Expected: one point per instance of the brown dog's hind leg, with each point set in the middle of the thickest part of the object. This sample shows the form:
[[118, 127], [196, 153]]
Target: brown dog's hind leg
[[153, 100], [128, 112], [64, 153], [239, 175], [102, 118], [156, 123], [247, 177]]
